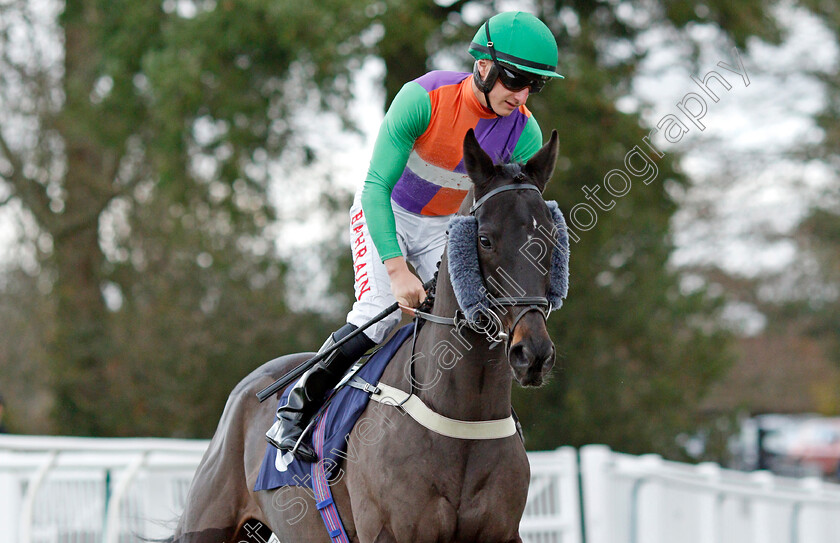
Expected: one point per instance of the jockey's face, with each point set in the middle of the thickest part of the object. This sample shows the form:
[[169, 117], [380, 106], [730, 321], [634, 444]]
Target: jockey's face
[[502, 100]]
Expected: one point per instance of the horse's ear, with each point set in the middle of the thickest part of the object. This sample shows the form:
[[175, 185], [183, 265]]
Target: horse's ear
[[479, 165], [541, 165]]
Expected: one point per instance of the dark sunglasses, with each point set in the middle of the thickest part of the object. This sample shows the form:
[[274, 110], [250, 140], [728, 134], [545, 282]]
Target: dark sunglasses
[[515, 81]]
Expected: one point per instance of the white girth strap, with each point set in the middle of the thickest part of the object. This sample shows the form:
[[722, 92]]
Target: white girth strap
[[461, 429]]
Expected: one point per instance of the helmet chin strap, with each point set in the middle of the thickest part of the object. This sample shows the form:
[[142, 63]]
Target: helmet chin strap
[[487, 99], [493, 69], [485, 85]]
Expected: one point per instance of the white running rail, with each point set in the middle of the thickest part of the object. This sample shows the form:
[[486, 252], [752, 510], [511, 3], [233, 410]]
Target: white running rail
[[552, 512], [62, 489], [645, 499], [69, 490]]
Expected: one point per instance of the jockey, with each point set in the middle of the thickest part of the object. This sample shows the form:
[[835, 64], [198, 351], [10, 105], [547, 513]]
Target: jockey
[[417, 181]]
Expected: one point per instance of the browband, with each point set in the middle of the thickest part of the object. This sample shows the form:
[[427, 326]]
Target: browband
[[478, 203]]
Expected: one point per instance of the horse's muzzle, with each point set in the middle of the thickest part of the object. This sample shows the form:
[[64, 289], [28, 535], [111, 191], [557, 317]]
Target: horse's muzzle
[[531, 354]]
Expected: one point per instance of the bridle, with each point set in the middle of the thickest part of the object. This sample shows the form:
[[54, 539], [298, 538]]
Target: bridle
[[492, 326], [530, 303]]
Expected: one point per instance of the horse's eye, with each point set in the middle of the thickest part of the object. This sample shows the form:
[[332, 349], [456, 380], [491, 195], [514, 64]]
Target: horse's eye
[[485, 242]]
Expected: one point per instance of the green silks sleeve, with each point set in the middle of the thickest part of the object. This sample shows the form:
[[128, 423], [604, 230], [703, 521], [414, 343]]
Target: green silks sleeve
[[529, 142], [406, 120]]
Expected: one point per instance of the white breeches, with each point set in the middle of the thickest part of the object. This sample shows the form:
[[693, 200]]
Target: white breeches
[[421, 239]]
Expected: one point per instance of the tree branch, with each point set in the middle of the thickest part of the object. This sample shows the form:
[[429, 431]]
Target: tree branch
[[31, 193], [70, 227]]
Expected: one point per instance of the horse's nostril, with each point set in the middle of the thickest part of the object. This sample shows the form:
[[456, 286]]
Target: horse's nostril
[[520, 356], [547, 357]]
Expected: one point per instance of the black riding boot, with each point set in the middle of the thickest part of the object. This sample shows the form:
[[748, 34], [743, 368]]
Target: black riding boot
[[307, 395]]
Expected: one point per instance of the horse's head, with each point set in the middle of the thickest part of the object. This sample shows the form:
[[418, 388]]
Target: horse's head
[[522, 254]]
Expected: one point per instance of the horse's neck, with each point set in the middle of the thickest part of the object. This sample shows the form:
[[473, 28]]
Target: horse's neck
[[477, 386]]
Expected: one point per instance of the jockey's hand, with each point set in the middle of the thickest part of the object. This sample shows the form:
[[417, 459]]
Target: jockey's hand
[[405, 286]]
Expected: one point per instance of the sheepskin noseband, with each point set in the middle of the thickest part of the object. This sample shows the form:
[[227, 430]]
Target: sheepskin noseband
[[466, 276]]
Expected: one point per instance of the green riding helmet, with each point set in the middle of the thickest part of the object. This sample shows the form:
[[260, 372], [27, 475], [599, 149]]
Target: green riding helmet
[[519, 39]]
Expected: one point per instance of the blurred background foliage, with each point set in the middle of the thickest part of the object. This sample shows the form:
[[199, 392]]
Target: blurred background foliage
[[141, 144]]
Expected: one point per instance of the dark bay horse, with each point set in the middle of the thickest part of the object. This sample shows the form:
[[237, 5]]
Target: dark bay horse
[[400, 481]]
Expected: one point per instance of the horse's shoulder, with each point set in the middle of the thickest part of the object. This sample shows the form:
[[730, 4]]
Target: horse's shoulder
[[396, 373]]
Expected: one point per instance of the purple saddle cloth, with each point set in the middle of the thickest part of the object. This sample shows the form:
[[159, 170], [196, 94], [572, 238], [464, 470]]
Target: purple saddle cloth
[[346, 407]]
